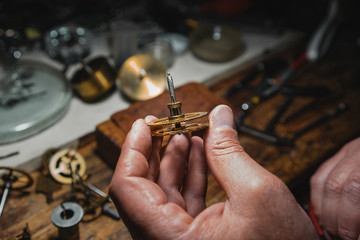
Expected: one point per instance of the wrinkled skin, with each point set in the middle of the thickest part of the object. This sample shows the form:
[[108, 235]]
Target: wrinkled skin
[[335, 192], [146, 192]]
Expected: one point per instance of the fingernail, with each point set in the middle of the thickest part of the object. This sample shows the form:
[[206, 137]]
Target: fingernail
[[148, 119], [222, 117], [136, 123]]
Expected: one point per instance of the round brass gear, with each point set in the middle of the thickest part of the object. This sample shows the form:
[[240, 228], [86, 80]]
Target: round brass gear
[[177, 119], [19, 178], [189, 127], [64, 163]]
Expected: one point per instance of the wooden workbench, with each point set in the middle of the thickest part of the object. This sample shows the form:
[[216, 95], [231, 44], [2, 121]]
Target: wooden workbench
[[338, 70]]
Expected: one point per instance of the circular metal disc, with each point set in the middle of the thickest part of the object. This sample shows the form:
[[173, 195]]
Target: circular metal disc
[[216, 43], [142, 77], [189, 127], [186, 117], [60, 162], [38, 106], [75, 217]]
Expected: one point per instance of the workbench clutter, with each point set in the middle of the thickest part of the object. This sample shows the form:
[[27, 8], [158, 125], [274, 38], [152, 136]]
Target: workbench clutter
[[291, 126], [61, 169]]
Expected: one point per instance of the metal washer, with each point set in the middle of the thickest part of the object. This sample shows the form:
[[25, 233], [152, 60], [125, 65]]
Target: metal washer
[[59, 221]]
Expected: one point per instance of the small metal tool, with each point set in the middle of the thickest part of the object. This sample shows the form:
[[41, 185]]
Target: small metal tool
[[267, 88], [105, 208], [271, 124], [176, 123], [284, 120], [12, 178], [327, 116], [11, 102], [289, 141], [9, 155], [268, 137], [269, 68], [324, 34]]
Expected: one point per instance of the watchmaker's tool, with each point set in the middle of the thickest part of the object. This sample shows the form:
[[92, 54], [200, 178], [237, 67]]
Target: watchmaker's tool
[[324, 34], [12, 178], [8, 155], [141, 77], [67, 165], [66, 217], [290, 139], [106, 209], [341, 107], [268, 87], [316, 48], [291, 93], [177, 122], [267, 68]]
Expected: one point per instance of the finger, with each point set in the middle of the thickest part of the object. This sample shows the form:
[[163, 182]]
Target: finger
[[237, 173], [139, 201], [349, 211], [172, 168], [334, 191], [136, 150], [317, 182], [194, 191], [132, 169], [154, 159]]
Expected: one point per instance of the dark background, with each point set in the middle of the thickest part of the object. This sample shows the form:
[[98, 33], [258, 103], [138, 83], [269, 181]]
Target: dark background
[[262, 16]]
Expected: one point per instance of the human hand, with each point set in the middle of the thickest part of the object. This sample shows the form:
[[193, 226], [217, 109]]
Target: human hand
[[335, 192], [160, 200]]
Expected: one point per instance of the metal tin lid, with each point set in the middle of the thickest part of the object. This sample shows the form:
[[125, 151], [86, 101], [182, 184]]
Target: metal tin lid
[[33, 96]]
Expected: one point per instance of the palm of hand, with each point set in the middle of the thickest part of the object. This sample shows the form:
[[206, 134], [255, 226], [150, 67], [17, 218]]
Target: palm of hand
[[166, 199]]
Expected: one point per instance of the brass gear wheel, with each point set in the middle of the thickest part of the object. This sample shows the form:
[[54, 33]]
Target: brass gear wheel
[[64, 164], [190, 127], [184, 118], [18, 177]]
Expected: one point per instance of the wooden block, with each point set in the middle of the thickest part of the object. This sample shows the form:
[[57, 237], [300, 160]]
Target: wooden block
[[109, 139], [111, 134]]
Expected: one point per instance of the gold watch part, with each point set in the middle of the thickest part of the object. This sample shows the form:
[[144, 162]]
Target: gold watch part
[[177, 119], [142, 77], [66, 165], [177, 122], [189, 127], [19, 178]]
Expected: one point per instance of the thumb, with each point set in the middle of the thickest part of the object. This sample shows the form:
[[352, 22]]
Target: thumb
[[234, 170]]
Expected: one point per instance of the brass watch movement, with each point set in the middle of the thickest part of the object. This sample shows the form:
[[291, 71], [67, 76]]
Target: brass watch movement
[[177, 122]]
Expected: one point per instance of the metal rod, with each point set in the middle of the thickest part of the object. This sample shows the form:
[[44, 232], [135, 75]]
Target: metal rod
[[263, 135], [4, 196], [271, 124], [332, 113], [171, 88]]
